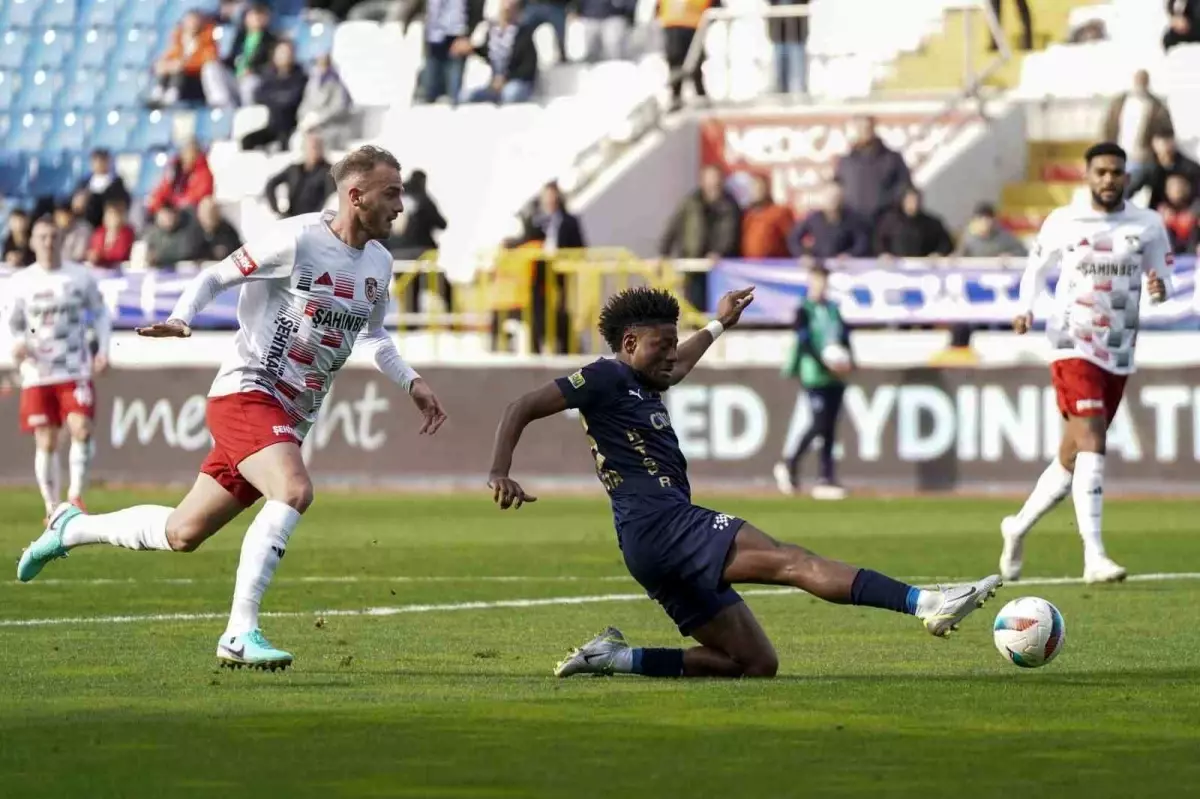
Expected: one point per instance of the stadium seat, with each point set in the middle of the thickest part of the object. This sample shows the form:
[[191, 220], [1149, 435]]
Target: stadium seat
[[137, 49], [72, 131], [150, 172], [28, 132], [144, 13], [314, 40], [40, 92], [51, 175], [23, 13], [155, 131], [248, 119], [224, 35], [14, 174], [13, 47], [213, 125], [115, 130], [102, 13], [95, 47], [8, 90], [127, 88], [59, 13], [53, 49]]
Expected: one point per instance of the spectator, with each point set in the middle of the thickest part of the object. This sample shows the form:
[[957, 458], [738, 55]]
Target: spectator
[[16, 243], [707, 224], [508, 49], [986, 238], [789, 36], [1167, 161], [187, 180], [175, 236], [765, 224], [280, 90], [219, 237], [1026, 23], [911, 232], [325, 109], [1178, 211], [873, 177], [309, 183], [178, 71], [831, 231], [236, 78], [679, 21], [448, 28], [606, 25], [420, 220], [549, 12], [1134, 119], [75, 231], [103, 186], [112, 242], [1184, 25]]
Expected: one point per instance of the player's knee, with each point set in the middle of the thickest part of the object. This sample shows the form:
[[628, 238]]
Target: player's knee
[[296, 493], [761, 664], [184, 535]]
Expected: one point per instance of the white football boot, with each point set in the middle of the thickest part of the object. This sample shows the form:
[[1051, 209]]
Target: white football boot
[[594, 657], [783, 479], [956, 602], [1013, 554], [1103, 570]]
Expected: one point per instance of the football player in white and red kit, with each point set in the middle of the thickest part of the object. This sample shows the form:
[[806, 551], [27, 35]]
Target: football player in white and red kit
[[51, 307], [313, 287], [1109, 253]]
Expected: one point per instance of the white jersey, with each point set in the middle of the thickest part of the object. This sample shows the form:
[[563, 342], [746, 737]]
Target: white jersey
[[1103, 260], [50, 311], [307, 297]]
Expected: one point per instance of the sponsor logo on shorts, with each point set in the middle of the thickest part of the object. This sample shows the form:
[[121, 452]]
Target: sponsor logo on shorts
[[243, 261], [721, 521], [577, 379], [39, 420], [285, 430], [1089, 405]]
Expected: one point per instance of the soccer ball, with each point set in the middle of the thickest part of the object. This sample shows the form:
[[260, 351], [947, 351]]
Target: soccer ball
[[836, 357], [1030, 632]]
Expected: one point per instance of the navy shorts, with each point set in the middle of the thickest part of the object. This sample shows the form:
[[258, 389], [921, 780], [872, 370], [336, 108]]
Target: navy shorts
[[678, 555]]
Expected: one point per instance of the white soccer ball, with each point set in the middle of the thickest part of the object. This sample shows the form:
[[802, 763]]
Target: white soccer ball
[[1029, 632], [836, 357]]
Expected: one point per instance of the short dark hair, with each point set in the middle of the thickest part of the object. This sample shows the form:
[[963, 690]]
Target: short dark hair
[[44, 219], [819, 268], [1104, 149], [633, 308], [101, 152], [361, 161], [985, 209]]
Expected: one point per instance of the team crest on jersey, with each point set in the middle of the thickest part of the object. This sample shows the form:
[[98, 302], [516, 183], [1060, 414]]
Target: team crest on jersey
[[1134, 243], [372, 288]]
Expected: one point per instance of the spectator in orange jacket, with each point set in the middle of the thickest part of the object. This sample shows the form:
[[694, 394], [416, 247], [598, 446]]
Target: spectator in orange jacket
[[765, 224], [178, 70], [187, 181]]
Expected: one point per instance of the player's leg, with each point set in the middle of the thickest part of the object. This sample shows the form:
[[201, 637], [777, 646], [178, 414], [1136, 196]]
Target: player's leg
[[279, 474], [827, 487], [47, 466], [757, 558], [787, 473], [1089, 434], [79, 456]]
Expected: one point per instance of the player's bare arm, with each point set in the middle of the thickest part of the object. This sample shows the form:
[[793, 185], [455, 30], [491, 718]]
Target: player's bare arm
[[729, 313], [537, 404]]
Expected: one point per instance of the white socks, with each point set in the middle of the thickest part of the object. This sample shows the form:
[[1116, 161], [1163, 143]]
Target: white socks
[[263, 546], [48, 470], [79, 458], [1088, 492], [141, 527], [1050, 489]]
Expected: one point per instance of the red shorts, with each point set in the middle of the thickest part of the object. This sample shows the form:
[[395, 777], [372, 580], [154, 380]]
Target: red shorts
[[241, 425], [1085, 389], [49, 406]]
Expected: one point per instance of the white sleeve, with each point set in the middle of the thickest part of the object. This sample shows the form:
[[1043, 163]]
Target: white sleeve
[[1045, 254], [16, 315], [378, 342], [269, 257], [101, 322], [1158, 256]]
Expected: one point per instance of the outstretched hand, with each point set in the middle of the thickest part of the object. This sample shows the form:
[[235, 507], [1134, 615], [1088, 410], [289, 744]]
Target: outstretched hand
[[1156, 286], [730, 307], [1022, 324], [172, 328], [508, 493], [431, 409]]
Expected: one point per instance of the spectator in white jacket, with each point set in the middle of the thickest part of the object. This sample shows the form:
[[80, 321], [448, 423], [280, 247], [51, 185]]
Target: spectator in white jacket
[[325, 109]]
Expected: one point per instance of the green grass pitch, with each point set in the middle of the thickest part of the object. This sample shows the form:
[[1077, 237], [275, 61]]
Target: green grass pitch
[[444, 701]]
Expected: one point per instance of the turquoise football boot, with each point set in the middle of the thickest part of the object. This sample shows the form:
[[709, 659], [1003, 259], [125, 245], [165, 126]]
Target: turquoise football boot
[[49, 545], [251, 649]]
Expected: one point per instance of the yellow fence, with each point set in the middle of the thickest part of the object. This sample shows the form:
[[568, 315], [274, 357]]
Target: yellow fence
[[555, 299]]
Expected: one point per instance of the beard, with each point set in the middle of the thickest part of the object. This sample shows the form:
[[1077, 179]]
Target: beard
[[1108, 205]]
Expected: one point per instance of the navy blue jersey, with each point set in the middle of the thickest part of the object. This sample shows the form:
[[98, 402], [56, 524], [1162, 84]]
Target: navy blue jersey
[[637, 453]]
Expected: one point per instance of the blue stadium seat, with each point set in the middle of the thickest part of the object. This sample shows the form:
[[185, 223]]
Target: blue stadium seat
[[214, 125], [53, 49], [155, 131], [13, 46], [144, 13], [95, 48], [288, 27], [225, 34], [153, 166], [287, 8], [102, 13], [8, 90], [72, 131], [115, 130], [59, 13], [126, 88], [29, 132], [40, 92], [85, 90], [23, 13], [49, 174], [14, 175], [314, 40], [137, 49]]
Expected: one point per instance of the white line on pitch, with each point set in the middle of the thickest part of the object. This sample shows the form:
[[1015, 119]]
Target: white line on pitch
[[333, 578], [502, 603]]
